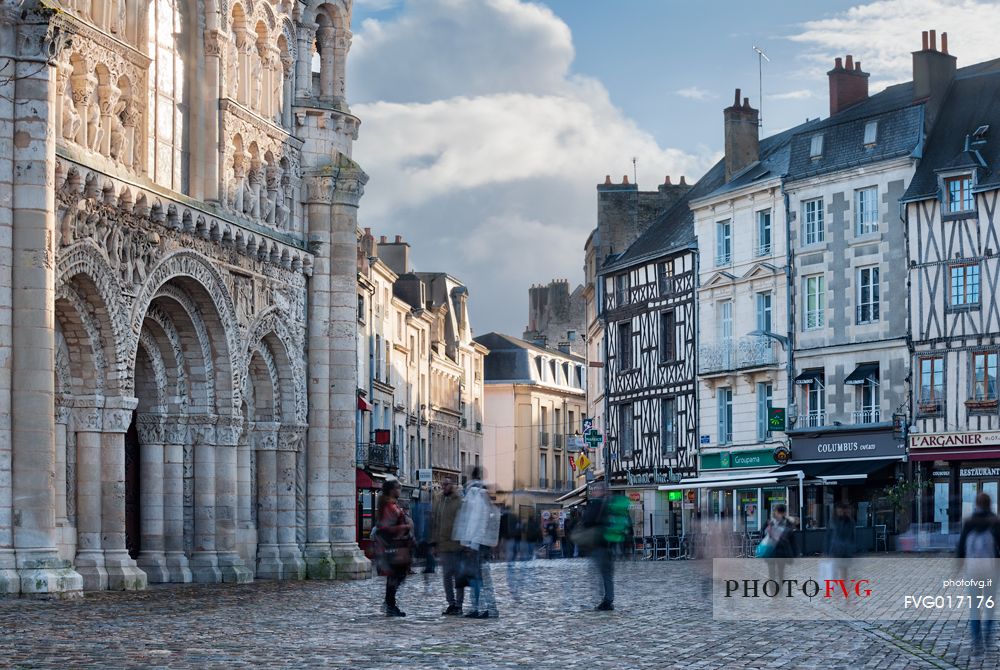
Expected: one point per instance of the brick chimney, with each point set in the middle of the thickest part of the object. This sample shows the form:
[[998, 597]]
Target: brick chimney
[[933, 72], [848, 84], [742, 135]]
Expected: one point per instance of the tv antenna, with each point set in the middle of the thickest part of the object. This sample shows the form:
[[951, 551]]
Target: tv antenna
[[761, 57], [635, 174]]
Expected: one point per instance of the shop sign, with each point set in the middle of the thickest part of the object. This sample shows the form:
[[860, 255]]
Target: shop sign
[[756, 458], [425, 475], [635, 496], [781, 454], [967, 473], [982, 439], [847, 446]]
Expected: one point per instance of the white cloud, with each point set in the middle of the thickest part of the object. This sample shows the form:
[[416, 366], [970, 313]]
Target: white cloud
[[486, 159], [695, 93], [801, 94], [882, 34], [376, 5]]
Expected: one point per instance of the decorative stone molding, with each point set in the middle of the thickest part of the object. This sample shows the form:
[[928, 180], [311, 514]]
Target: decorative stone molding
[[175, 429], [266, 435], [228, 431], [201, 429], [291, 437], [118, 414], [151, 428], [87, 414]]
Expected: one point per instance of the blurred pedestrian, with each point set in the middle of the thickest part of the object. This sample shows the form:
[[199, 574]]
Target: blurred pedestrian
[[477, 529], [840, 546], [394, 543], [449, 552], [605, 522], [511, 536], [567, 542], [780, 540], [532, 536], [979, 547], [422, 508], [551, 536]]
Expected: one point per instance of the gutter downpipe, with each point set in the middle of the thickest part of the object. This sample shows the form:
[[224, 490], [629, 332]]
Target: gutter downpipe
[[790, 318]]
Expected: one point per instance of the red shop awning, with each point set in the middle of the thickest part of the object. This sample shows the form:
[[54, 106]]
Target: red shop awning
[[952, 454], [363, 480], [364, 405]]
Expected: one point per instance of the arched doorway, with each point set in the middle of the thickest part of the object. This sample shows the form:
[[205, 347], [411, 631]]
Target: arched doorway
[[133, 538]]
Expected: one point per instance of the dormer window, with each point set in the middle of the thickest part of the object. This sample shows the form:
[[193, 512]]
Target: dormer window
[[958, 193], [816, 146], [871, 132]]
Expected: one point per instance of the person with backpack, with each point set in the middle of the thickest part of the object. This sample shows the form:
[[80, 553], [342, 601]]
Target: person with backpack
[[979, 547], [778, 545], [477, 529]]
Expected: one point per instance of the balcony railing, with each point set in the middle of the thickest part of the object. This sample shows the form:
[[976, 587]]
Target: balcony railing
[[762, 250], [813, 419], [382, 456], [723, 260], [543, 438], [558, 440], [866, 415], [746, 352]]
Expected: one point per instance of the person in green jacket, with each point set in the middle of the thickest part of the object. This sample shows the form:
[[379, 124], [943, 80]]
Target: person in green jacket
[[448, 551], [608, 515]]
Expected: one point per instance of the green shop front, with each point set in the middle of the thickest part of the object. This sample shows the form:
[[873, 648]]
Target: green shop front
[[736, 486]]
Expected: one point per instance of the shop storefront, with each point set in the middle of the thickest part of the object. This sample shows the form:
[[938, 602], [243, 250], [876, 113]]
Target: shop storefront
[[844, 466], [956, 467]]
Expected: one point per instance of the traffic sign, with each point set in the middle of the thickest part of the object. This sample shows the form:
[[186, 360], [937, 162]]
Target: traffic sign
[[776, 418], [583, 462]]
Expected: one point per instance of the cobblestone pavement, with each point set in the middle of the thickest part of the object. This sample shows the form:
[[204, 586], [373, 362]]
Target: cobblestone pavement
[[662, 620]]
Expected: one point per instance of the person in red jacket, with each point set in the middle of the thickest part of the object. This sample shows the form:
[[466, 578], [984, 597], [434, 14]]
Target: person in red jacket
[[395, 538]]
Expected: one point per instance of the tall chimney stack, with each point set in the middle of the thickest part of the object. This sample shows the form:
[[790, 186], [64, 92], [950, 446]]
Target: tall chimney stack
[[933, 72], [742, 136], [848, 84]]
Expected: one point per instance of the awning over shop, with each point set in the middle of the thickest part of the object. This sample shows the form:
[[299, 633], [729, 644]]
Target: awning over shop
[[832, 472], [363, 404], [812, 376], [952, 454], [719, 480], [575, 493], [862, 373], [369, 480]]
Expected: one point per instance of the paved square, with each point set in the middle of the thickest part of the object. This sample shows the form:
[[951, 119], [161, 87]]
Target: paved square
[[662, 620]]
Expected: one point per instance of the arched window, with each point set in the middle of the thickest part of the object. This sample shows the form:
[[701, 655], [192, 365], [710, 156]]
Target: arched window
[[167, 140]]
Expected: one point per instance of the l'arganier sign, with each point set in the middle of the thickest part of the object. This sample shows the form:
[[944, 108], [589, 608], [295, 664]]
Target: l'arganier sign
[[981, 439]]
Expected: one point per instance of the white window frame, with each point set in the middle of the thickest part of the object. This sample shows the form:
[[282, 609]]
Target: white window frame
[[816, 146], [724, 409], [723, 243], [813, 228], [866, 210], [764, 304], [953, 206], [967, 296], [764, 224], [668, 428], [871, 133], [869, 295], [815, 318]]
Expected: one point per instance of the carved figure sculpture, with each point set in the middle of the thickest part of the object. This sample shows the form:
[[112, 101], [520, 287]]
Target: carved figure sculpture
[[118, 17], [117, 131], [251, 201], [237, 186], [94, 130], [278, 94], [71, 120], [233, 69], [257, 77]]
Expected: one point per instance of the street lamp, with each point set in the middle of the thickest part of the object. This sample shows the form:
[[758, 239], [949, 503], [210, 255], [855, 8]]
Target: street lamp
[[782, 339]]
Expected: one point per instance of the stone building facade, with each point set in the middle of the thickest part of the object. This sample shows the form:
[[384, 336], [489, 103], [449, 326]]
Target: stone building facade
[[557, 317], [178, 313]]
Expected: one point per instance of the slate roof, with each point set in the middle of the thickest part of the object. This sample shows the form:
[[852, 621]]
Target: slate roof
[[973, 101], [508, 359], [674, 229], [900, 130]]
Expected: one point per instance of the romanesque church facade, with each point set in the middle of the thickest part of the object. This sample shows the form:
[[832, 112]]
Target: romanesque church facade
[[177, 293]]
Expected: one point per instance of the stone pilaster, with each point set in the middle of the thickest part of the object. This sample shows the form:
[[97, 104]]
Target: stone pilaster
[[326, 38], [87, 421], [227, 433], [32, 400], [303, 67], [204, 557], [268, 555], [10, 583], [341, 47], [175, 436], [289, 446], [152, 549], [123, 573]]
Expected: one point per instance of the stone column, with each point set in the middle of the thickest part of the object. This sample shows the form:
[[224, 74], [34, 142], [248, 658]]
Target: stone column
[[246, 527], [268, 555], [303, 67], [204, 558], [152, 549], [87, 422], [62, 522], [342, 46], [32, 399], [319, 560], [107, 100], [175, 437], [347, 191], [10, 583], [205, 178], [123, 573], [227, 434], [286, 105], [327, 53], [289, 444]]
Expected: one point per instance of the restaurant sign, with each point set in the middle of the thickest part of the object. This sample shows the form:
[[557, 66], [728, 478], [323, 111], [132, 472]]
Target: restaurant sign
[[981, 439], [875, 444]]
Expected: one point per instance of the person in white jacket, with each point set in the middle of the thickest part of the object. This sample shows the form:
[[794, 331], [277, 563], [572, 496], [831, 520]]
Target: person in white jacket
[[477, 528]]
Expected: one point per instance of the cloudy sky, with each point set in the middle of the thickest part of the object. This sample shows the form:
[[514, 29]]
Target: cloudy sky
[[487, 124]]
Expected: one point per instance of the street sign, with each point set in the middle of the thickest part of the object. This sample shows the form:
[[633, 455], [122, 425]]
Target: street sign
[[574, 442], [572, 464], [425, 475], [587, 424], [583, 462], [776, 418], [706, 439]]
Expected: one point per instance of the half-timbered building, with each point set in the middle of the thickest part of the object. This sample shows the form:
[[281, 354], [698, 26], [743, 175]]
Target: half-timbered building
[[651, 415], [951, 216]]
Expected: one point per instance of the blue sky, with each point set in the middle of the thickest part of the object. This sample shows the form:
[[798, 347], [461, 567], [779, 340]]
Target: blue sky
[[486, 124]]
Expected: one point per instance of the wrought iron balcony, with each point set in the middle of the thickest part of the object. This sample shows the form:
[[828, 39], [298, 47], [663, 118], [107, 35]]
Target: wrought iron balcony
[[813, 419], [723, 260], [381, 456], [558, 440], [866, 415], [543, 438], [746, 352]]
